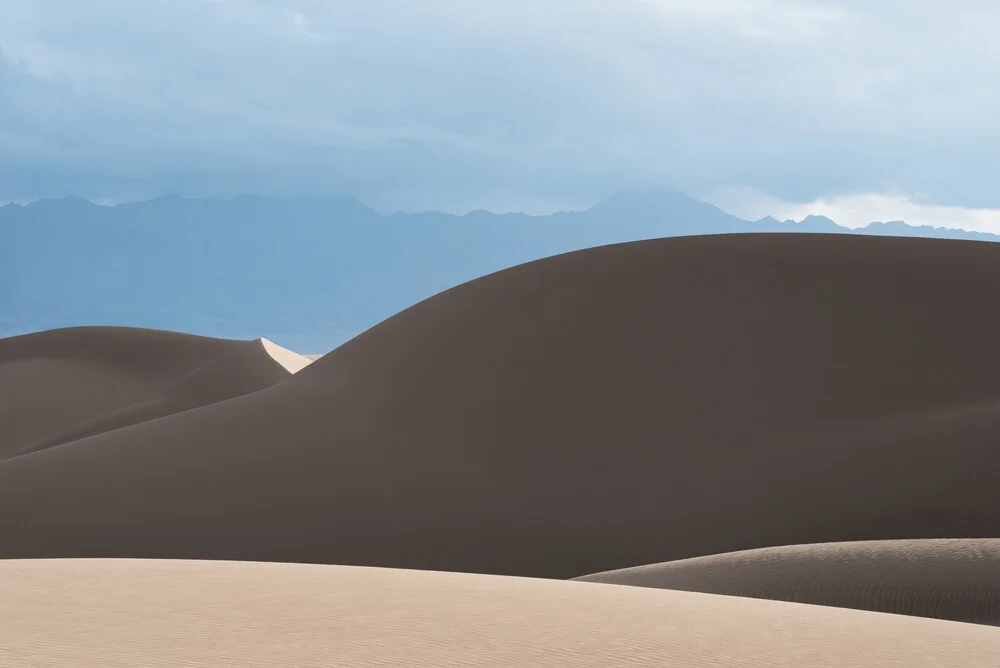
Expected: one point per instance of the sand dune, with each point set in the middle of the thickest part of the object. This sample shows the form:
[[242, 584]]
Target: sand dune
[[619, 406], [85, 614], [945, 579], [67, 384], [291, 361]]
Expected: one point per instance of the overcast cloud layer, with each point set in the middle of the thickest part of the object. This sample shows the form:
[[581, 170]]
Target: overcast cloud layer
[[505, 104]]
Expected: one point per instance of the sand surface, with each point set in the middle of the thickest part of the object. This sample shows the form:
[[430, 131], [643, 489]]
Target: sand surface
[[290, 360], [620, 406], [952, 579], [61, 385], [111, 614]]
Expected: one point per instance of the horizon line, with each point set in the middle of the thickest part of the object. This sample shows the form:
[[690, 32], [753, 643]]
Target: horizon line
[[97, 202]]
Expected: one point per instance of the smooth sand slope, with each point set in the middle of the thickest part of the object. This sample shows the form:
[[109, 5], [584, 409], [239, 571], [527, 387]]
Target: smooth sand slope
[[290, 360], [952, 579], [625, 405], [64, 384], [107, 614]]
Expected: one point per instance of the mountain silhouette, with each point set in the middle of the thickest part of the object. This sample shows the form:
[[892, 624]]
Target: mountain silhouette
[[307, 272]]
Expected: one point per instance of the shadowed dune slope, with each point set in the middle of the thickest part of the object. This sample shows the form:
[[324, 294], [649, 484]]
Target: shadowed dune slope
[[61, 385], [946, 579], [619, 406], [85, 614]]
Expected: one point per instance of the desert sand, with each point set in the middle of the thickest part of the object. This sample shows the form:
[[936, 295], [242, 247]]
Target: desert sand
[[808, 418], [619, 406], [290, 360], [117, 613], [956, 579]]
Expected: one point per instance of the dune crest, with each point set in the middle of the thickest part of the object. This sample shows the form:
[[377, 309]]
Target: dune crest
[[90, 613], [289, 360]]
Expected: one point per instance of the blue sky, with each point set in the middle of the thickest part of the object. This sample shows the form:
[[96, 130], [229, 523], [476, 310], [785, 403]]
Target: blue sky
[[861, 111]]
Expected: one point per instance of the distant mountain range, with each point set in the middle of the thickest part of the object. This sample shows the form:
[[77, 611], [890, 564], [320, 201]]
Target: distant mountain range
[[306, 272]]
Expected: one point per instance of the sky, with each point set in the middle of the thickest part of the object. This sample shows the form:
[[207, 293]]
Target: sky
[[858, 110]]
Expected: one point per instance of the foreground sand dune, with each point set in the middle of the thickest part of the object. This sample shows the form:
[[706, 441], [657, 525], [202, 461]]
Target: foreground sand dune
[[110, 614], [619, 406], [945, 579], [62, 385]]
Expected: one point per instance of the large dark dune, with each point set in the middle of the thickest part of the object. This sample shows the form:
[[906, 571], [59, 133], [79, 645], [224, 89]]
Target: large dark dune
[[955, 579], [619, 406], [62, 385]]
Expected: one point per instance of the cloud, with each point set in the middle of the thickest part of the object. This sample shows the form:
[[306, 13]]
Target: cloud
[[512, 100], [769, 20]]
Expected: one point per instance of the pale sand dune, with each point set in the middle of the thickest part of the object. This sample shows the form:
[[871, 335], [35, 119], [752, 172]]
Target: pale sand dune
[[313, 358], [111, 614], [291, 361], [65, 384], [619, 406], [946, 579]]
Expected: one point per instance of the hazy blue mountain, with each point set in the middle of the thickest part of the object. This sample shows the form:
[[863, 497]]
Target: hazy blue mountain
[[897, 228], [306, 272]]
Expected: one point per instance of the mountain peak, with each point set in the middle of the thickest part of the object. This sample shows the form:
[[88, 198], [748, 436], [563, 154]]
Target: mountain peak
[[816, 219], [63, 205]]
